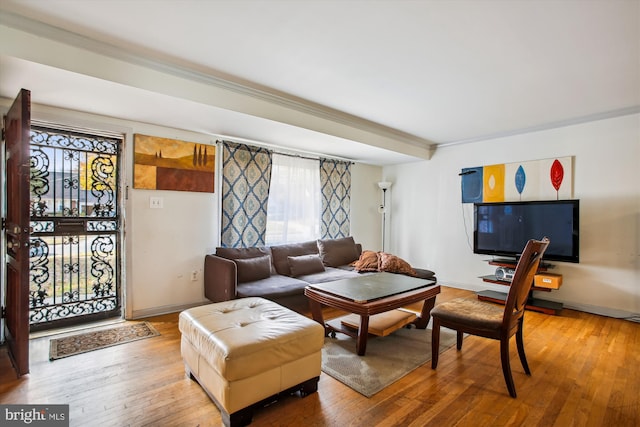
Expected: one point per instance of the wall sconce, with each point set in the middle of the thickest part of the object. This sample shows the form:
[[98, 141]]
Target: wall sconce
[[384, 186]]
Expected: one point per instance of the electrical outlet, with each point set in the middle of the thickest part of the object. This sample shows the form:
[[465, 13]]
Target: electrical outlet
[[156, 202], [194, 275]]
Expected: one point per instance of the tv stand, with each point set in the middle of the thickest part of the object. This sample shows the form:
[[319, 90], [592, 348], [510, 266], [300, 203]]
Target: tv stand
[[533, 304]]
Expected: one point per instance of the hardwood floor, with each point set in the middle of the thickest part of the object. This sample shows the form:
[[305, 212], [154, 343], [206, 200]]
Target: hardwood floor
[[585, 372]]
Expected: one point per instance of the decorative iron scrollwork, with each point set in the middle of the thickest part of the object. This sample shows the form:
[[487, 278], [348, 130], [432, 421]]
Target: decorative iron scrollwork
[[52, 138], [38, 181], [38, 271], [101, 269], [41, 227], [74, 244], [102, 225]]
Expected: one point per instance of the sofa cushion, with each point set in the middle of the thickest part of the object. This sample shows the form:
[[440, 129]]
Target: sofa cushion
[[273, 287], [368, 261], [337, 252], [250, 269], [329, 275], [305, 264], [242, 253], [394, 264], [282, 252]]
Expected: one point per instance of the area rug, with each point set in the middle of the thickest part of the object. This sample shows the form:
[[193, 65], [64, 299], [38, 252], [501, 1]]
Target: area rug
[[90, 341], [387, 359]]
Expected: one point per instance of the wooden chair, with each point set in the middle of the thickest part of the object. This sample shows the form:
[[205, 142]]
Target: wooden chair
[[490, 320]]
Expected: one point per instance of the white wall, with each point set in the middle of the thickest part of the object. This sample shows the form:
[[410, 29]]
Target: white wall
[[432, 228], [366, 224], [165, 246]]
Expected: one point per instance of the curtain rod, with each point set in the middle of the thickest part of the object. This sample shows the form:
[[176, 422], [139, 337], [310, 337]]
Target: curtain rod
[[300, 156], [282, 150]]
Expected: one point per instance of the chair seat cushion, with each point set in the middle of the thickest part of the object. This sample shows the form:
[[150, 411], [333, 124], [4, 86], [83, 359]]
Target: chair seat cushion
[[472, 312]]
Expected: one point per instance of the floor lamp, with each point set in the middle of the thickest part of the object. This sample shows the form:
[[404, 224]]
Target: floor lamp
[[384, 186]]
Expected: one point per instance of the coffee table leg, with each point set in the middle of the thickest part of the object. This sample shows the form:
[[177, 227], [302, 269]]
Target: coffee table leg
[[363, 333], [316, 313], [422, 321]]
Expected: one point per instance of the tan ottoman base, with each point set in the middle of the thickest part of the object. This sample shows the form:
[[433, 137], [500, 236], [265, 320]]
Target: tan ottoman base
[[246, 352]]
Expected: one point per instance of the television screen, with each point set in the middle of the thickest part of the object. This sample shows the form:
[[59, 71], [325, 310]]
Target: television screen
[[504, 228]]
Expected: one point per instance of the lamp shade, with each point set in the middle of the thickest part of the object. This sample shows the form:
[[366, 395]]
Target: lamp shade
[[384, 185]]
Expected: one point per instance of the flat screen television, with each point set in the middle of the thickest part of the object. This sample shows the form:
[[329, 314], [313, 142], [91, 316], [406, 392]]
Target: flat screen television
[[503, 229]]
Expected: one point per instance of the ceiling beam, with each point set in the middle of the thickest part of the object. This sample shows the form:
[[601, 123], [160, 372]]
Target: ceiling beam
[[34, 41]]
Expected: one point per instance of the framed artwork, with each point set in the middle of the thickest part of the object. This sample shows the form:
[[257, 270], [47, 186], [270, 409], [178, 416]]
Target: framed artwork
[[472, 184], [171, 164], [545, 179]]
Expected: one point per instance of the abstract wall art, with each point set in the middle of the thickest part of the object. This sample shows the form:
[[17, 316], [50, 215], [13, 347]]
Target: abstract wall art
[[171, 164], [546, 179]]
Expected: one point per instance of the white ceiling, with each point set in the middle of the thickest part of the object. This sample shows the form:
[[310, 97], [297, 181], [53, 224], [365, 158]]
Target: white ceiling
[[338, 74]]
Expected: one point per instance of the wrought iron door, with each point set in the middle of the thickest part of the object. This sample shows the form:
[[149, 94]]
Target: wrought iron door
[[75, 242]]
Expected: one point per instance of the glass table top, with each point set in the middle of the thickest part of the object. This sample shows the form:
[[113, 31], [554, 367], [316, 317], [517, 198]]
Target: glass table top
[[371, 287]]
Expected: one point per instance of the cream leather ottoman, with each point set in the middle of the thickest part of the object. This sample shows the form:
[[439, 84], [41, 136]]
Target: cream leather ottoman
[[245, 352]]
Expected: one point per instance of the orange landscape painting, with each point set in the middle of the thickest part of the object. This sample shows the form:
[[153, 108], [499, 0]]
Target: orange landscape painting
[[171, 164]]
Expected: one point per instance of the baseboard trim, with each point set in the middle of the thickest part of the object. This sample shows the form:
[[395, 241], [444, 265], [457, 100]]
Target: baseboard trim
[[601, 311], [587, 308], [474, 288], [166, 309]]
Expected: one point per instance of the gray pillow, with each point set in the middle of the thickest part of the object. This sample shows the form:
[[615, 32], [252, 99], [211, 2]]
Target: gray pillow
[[242, 253], [281, 252], [250, 269], [337, 252], [305, 264], [236, 253]]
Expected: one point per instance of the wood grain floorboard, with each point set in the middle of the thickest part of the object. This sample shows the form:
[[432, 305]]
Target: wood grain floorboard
[[585, 372]]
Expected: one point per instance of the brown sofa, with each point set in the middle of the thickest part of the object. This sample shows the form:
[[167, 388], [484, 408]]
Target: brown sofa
[[280, 273]]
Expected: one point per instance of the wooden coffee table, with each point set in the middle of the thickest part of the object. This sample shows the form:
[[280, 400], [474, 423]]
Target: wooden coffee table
[[368, 295]]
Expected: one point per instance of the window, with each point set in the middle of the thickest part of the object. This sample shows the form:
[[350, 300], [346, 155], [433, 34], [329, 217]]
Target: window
[[293, 212]]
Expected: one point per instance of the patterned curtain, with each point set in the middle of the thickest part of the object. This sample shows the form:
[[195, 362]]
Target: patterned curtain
[[335, 181], [246, 174]]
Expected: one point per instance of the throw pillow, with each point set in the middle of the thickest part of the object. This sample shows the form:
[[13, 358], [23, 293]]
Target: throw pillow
[[368, 261], [281, 252], [305, 264], [337, 252], [237, 253], [242, 253], [250, 269], [394, 264]]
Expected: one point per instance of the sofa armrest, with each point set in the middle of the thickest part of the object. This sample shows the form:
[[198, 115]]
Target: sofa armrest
[[220, 278]]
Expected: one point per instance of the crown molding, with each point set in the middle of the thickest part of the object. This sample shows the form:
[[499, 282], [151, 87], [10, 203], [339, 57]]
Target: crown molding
[[190, 72], [548, 126]]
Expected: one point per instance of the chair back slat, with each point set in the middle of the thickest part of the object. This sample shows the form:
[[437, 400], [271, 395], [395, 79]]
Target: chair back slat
[[523, 279]]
